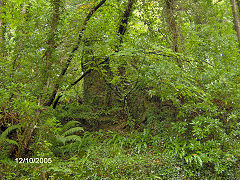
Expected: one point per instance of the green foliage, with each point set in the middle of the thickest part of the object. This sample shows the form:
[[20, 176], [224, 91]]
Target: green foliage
[[203, 112], [112, 155], [62, 143], [79, 112], [5, 142], [184, 100], [3, 137], [137, 142], [69, 125]]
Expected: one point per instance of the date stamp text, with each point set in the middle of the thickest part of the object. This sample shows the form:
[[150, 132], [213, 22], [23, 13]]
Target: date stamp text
[[34, 160]]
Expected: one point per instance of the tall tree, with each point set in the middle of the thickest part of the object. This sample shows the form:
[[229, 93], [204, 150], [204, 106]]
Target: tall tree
[[51, 41], [1, 22], [236, 19], [172, 25], [1, 26]]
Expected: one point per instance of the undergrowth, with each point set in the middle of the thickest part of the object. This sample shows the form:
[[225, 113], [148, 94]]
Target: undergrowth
[[107, 155]]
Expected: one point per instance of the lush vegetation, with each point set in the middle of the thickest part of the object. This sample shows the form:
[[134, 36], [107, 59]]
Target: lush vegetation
[[134, 89]]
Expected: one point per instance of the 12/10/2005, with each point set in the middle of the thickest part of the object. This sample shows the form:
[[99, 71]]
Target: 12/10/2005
[[33, 160]]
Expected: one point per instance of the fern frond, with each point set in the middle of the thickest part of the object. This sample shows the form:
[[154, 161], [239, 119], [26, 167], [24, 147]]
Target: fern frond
[[60, 139], [72, 130], [9, 141], [3, 136], [69, 125], [7, 131], [73, 138]]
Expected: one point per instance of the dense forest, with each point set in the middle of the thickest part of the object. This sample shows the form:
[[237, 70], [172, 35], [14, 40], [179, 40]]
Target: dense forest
[[119, 89]]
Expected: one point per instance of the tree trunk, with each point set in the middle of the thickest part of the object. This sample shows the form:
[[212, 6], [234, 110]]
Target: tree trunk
[[236, 19], [2, 29], [172, 25], [1, 23], [93, 84], [51, 42]]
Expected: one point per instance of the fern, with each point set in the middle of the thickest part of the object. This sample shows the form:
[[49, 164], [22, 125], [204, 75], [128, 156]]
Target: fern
[[69, 125], [72, 130], [66, 135], [60, 139], [73, 138], [10, 141], [3, 136]]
